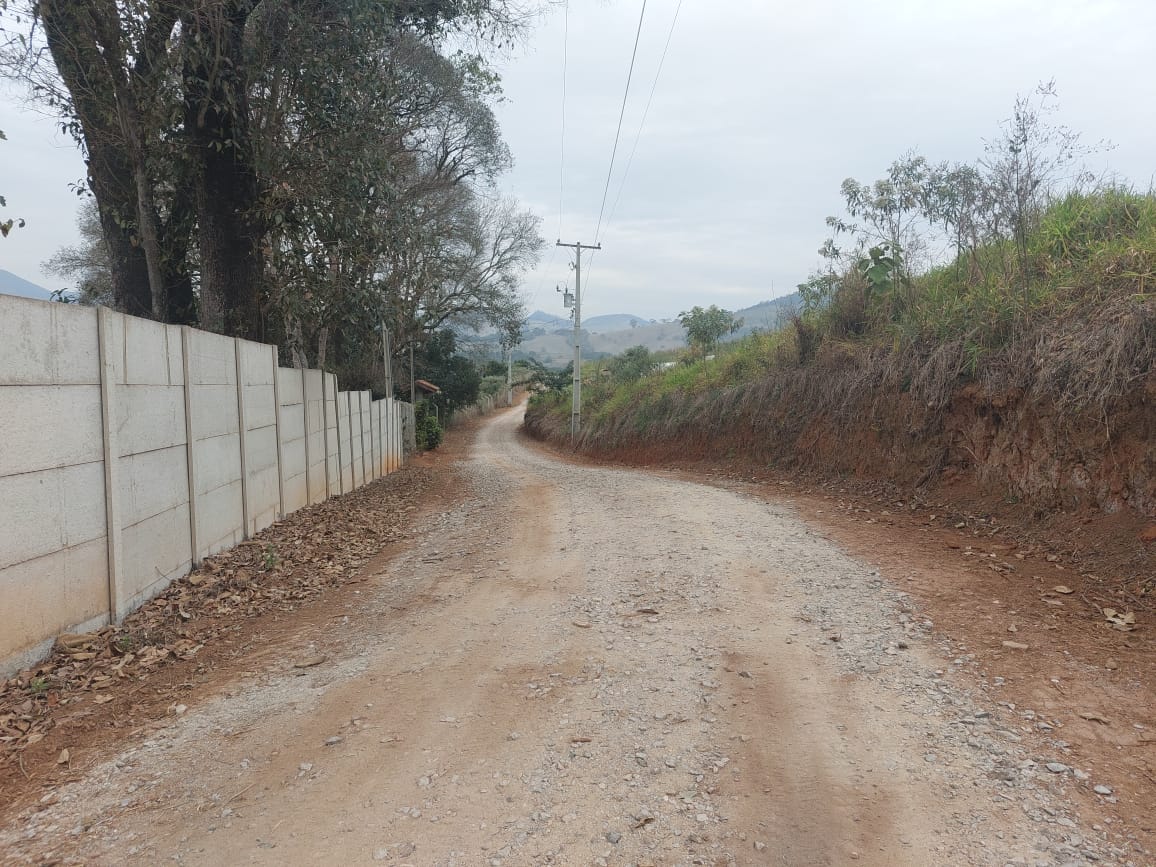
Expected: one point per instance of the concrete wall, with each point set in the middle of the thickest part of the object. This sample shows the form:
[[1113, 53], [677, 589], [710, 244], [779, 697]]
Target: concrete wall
[[53, 535], [130, 450]]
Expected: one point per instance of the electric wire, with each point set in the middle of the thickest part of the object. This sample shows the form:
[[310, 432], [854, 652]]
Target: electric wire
[[642, 123], [621, 115], [561, 141], [645, 112], [562, 157]]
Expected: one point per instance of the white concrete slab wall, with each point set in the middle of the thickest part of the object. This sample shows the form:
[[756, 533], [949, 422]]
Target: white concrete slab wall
[[256, 366], [130, 450], [53, 535], [313, 385], [333, 449], [145, 397], [216, 438], [344, 441], [291, 430]]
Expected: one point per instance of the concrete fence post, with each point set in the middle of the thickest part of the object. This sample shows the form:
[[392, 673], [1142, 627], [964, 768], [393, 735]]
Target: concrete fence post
[[325, 432], [305, 427], [108, 394], [277, 433], [245, 515], [190, 445], [363, 412]]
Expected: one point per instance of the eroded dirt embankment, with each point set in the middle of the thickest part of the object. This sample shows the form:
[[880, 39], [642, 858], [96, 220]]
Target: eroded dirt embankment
[[1083, 482]]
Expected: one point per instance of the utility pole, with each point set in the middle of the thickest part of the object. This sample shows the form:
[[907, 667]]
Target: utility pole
[[510, 376], [387, 358], [412, 390], [576, 410]]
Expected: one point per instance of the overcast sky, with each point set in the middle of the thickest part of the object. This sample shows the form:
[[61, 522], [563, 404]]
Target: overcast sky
[[761, 111]]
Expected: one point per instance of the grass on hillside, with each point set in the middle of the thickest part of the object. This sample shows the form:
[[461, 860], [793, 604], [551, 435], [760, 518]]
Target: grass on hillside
[[1076, 321]]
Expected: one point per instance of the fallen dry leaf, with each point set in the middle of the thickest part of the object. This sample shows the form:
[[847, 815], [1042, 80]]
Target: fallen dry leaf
[[1062, 588], [293, 561]]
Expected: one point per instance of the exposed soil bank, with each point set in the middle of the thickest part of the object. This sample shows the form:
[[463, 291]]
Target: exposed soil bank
[[845, 419]]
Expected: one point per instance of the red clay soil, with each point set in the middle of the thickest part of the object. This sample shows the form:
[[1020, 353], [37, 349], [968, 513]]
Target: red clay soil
[[1019, 601]]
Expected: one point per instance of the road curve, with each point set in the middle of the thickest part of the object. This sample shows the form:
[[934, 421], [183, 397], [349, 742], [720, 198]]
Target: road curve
[[575, 665]]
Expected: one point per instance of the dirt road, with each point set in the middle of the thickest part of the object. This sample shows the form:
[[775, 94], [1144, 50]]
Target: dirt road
[[583, 665]]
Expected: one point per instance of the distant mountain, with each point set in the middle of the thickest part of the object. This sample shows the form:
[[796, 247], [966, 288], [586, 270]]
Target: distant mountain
[[766, 315], [10, 284], [540, 319], [613, 322], [549, 338]]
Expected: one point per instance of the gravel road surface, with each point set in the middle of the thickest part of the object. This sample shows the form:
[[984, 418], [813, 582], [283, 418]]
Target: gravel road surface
[[588, 666]]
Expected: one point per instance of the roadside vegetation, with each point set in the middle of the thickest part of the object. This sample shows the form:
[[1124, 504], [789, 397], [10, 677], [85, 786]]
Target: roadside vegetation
[[1019, 276], [300, 174]]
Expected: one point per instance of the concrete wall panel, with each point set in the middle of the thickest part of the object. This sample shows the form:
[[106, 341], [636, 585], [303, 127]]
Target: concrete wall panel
[[345, 441], [49, 426], [259, 406], [47, 344], [156, 552], [46, 511], [146, 351], [312, 383], [214, 410], [213, 360], [149, 417], [152, 483], [219, 519], [216, 462], [263, 491], [52, 594], [332, 434]]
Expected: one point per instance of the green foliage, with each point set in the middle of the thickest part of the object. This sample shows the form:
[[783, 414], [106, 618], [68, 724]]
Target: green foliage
[[310, 169], [492, 386], [427, 428], [6, 226], [632, 364], [454, 374], [1091, 252], [551, 380], [705, 327], [882, 268]]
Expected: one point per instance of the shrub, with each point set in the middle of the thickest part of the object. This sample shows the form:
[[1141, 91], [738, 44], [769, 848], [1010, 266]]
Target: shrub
[[428, 429]]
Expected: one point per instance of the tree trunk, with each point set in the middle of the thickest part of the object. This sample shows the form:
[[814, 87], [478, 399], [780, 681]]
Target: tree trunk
[[72, 44], [224, 178]]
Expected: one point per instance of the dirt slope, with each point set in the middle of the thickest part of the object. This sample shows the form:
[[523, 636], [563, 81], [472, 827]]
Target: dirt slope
[[578, 665]]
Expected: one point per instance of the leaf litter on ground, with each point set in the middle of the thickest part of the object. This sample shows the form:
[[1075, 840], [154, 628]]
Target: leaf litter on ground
[[283, 566]]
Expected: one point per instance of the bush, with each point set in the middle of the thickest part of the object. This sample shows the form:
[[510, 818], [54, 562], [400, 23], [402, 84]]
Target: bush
[[428, 429]]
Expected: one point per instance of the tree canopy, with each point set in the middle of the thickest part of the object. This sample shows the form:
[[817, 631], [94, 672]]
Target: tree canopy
[[705, 327], [294, 171]]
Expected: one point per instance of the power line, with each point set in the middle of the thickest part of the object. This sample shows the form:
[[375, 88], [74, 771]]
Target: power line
[[638, 136], [561, 138], [621, 115], [645, 112], [562, 157]]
